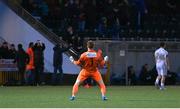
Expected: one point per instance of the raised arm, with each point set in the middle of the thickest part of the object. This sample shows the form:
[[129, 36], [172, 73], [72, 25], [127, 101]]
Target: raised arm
[[78, 62]]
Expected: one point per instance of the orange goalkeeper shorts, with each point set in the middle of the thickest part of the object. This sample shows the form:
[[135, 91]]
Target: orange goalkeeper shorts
[[84, 74]]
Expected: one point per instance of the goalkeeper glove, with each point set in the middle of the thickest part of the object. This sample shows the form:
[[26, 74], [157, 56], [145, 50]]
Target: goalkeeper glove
[[71, 59], [106, 58]]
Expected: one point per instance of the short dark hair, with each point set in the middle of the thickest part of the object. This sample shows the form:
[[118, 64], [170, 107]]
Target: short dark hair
[[12, 45], [19, 46], [162, 44], [5, 42], [31, 44], [90, 44]]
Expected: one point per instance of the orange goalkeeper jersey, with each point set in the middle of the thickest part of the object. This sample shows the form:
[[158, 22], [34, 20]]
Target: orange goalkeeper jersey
[[90, 60]]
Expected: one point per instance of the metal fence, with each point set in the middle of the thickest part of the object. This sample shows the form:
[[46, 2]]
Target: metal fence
[[9, 77], [8, 72], [136, 53]]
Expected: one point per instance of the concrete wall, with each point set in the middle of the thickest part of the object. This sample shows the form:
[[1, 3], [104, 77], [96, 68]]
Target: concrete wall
[[121, 57]]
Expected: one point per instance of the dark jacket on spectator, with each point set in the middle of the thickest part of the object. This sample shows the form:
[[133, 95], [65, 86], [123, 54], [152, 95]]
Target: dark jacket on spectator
[[4, 51], [12, 53], [39, 54], [21, 58], [58, 55]]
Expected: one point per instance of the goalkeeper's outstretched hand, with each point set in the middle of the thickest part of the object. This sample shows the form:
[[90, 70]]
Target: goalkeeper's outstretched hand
[[71, 59], [106, 58]]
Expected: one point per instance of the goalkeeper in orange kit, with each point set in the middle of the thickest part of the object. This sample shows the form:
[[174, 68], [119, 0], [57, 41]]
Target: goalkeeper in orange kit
[[90, 61]]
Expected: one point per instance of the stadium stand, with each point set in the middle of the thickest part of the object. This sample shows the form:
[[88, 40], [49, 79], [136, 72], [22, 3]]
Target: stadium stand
[[107, 19], [73, 22], [112, 15]]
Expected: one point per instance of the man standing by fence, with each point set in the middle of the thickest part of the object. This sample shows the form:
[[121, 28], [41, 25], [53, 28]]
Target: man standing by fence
[[22, 59], [38, 49]]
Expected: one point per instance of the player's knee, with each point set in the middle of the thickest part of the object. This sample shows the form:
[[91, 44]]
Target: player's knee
[[77, 82], [101, 82]]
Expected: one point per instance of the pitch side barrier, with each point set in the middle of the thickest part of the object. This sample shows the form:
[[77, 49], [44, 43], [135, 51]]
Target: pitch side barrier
[[8, 71], [123, 54]]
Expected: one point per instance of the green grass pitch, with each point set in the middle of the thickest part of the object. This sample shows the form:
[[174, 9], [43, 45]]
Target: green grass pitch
[[118, 96]]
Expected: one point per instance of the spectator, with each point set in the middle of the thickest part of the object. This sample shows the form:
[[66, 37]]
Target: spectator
[[4, 51], [38, 49], [171, 78], [70, 34], [145, 77], [172, 8], [44, 9], [29, 77], [79, 45], [124, 13], [28, 5], [117, 79], [73, 41], [132, 79], [102, 27], [12, 52], [112, 13], [65, 16], [36, 10], [73, 12], [57, 63], [140, 10], [82, 18], [21, 59], [91, 15], [153, 73]]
